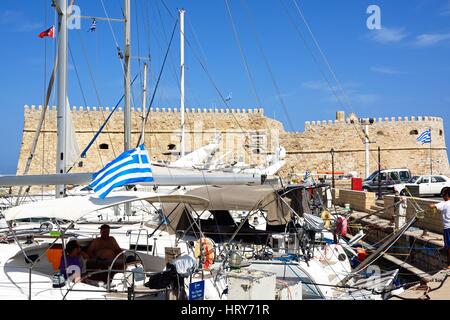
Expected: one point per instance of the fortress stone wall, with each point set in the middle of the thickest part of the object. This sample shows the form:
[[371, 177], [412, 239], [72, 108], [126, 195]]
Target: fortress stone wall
[[247, 135], [396, 137]]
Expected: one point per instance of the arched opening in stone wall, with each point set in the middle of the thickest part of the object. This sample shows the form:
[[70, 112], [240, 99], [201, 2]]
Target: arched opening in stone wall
[[380, 133], [441, 132], [103, 146], [414, 132]]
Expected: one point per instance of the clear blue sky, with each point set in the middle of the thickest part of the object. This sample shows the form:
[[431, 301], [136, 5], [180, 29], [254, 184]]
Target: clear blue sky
[[401, 70]]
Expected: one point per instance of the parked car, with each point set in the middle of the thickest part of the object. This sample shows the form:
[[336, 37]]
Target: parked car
[[389, 178], [428, 185]]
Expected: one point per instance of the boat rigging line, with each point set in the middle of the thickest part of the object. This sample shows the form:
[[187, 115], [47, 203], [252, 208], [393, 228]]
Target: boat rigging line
[[39, 127], [83, 153], [305, 43], [213, 83], [119, 52], [245, 62], [271, 73], [362, 135], [158, 81], [382, 249], [241, 50], [85, 103], [321, 52]]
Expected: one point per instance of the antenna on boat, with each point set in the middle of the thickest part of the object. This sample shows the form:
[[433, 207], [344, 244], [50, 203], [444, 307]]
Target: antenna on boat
[[182, 144], [144, 102], [127, 85], [62, 94]]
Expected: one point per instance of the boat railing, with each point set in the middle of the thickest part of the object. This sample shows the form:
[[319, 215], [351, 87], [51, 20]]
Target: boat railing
[[140, 231], [131, 286]]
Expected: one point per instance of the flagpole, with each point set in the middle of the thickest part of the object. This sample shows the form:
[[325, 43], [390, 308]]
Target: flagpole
[[431, 156], [144, 103]]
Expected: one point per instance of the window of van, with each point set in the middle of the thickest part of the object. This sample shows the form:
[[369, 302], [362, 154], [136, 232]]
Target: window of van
[[413, 179], [404, 175], [437, 179], [425, 180], [372, 176], [394, 176]]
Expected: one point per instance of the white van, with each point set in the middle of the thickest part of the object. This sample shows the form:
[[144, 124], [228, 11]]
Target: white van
[[427, 185], [388, 177]]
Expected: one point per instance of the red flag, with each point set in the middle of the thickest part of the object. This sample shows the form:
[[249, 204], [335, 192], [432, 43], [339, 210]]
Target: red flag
[[50, 32]]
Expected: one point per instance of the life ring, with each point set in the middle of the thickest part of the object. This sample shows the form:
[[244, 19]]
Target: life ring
[[204, 252]]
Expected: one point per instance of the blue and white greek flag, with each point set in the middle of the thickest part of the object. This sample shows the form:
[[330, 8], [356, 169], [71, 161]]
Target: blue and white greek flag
[[130, 167], [307, 175], [425, 137], [93, 26]]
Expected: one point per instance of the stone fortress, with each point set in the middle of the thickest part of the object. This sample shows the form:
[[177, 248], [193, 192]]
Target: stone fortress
[[247, 135]]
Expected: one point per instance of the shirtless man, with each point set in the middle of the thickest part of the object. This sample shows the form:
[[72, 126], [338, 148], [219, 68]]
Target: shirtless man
[[102, 252], [104, 248]]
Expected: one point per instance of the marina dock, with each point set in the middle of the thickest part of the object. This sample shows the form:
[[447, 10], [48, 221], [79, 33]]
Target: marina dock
[[418, 253]]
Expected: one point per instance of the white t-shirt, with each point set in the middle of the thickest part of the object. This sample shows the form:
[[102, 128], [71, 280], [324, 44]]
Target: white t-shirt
[[444, 208]]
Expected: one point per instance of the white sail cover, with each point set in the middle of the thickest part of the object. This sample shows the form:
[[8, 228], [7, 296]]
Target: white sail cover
[[74, 208], [163, 176], [200, 156]]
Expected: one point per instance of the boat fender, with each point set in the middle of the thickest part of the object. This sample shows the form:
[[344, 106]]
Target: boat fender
[[341, 226], [361, 254], [326, 217], [204, 251]]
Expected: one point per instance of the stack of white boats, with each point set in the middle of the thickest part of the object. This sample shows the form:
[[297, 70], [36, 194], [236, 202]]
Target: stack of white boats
[[163, 227], [209, 222]]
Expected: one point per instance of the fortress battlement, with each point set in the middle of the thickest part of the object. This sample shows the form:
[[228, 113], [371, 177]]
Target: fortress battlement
[[260, 111], [386, 120], [75, 109]]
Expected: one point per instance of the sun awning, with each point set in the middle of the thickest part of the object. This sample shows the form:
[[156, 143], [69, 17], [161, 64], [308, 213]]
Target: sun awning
[[243, 197], [73, 208]]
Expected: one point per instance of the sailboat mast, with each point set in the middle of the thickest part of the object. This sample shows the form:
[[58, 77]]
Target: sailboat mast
[[182, 144], [62, 94], [127, 76]]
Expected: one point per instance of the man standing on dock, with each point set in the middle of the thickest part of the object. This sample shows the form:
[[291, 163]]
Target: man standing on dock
[[444, 208]]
